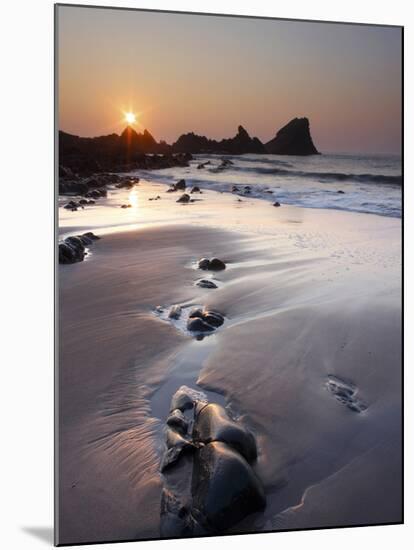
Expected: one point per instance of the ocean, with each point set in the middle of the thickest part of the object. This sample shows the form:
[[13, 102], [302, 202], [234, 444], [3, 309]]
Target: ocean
[[358, 183]]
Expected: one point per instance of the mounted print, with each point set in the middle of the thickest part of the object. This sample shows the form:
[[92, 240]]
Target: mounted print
[[228, 274]]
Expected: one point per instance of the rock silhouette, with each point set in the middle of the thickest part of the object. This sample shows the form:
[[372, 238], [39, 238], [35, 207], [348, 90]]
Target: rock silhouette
[[293, 139]]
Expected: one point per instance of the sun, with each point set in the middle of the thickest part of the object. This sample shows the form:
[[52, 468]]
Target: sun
[[130, 118]]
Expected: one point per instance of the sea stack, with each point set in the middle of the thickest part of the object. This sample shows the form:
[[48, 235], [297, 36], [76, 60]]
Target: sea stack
[[293, 139]]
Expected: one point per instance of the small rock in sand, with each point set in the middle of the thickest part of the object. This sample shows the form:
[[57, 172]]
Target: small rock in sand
[[175, 312], [184, 198], [195, 189], [213, 265], [125, 206], [216, 264], [276, 203], [180, 185], [205, 283], [198, 325]]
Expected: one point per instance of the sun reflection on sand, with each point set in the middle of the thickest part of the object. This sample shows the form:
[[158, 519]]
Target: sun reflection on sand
[[133, 198]]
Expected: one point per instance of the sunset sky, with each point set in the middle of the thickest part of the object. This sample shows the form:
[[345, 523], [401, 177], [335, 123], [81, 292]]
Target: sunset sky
[[208, 74]]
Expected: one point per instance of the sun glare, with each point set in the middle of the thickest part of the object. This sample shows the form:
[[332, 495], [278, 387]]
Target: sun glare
[[130, 118]]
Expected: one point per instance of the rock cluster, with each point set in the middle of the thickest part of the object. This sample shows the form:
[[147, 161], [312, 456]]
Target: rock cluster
[[73, 249]]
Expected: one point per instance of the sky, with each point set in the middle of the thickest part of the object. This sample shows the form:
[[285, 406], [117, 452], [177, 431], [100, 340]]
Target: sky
[[208, 74]]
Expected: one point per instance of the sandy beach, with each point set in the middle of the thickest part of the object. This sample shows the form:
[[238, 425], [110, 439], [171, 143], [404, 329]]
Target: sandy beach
[[311, 298]]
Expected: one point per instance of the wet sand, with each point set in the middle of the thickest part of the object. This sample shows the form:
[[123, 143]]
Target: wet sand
[[308, 295]]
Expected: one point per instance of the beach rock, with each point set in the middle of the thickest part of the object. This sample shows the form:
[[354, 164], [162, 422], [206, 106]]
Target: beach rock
[[205, 283], [178, 421], [91, 236], [224, 487], [69, 255], [126, 205], [176, 445], [212, 265], [213, 318], [234, 189], [293, 139], [204, 263], [340, 192], [247, 189], [276, 203], [175, 312], [127, 183], [198, 325], [91, 201], [180, 185], [195, 189], [71, 205], [203, 164], [72, 249], [214, 424], [184, 198], [72, 188], [195, 312], [171, 189], [216, 265], [185, 397], [96, 193]]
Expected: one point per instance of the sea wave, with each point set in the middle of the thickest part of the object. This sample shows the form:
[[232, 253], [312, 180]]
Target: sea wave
[[384, 179]]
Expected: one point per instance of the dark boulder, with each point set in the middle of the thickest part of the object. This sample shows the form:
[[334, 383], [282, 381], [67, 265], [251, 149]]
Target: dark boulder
[[224, 487], [198, 325], [71, 205], [215, 264], [185, 398], [205, 283], [72, 249], [276, 203], [175, 312], [195, 189], [214, 424], [180, 185], [72, 188], [178, 421], [213, 318], [184, 198], [196, 312]]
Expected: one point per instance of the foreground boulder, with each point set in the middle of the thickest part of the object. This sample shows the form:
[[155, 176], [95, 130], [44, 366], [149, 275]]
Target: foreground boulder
[[209, 481], [214, 424], [224, 488], [293, 139]]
